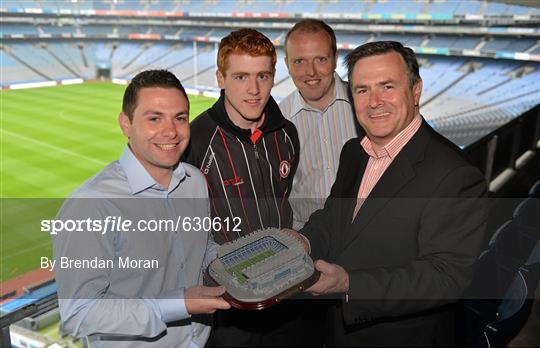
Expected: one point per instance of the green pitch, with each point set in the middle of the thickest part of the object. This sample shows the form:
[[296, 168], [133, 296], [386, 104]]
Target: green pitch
[[51, 141], [238, 270]]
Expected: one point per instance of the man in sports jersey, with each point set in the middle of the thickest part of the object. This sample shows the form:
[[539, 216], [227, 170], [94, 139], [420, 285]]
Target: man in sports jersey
[[248, 153]]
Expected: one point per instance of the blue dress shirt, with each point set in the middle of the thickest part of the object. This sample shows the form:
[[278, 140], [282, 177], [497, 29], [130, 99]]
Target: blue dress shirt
[[143, 304]]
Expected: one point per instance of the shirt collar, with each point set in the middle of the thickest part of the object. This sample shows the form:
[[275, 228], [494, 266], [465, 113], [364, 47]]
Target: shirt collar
[[140, 180], [340, 90], [395, 145]]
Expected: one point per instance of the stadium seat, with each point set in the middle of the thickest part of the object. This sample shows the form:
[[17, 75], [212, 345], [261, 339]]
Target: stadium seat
[[527, 214], [515, 308], [534, 192], [498, 302]]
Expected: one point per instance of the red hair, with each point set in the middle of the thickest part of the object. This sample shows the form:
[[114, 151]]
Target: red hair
[[245, 41]]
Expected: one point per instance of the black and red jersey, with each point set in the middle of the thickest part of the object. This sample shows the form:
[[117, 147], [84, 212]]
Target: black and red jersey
[[249, 176]]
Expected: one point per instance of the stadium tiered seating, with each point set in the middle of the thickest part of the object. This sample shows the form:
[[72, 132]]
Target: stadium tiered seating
[[443, 6], [468, 7], [466, 42], [192, 6], [442, 41], [407, 39], [206, 61], [299, 6], [481, 100], [103, 4], [41, 60], [343, 5], [122, 56], [341, 68], [437, 74], [151, 54], [18, 29], [71, 56], [14, 72], [397, 6], [274, 34], [352, 38], [22, 4], [103, 52], [96, 30], [259, 6], [224, 6], [57, 30], [128, 5], [282, 72], [449, 7]]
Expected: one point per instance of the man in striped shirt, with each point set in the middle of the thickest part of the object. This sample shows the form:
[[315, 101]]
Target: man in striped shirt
[[321, 111], [405, 221], [248, 153]]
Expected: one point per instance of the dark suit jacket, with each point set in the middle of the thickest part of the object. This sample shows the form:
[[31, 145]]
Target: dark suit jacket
[[410, 250]]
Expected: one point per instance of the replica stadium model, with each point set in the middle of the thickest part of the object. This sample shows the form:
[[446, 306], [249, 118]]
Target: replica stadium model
[[262, 268]]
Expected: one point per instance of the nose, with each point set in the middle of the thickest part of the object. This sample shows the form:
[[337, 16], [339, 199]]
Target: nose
[[311, 69], [169, 129], [253, 87], [374, 99]]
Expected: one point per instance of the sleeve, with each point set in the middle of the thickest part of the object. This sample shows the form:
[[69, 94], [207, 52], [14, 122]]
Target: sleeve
[[87, 305], [451, 232], [211, 246]]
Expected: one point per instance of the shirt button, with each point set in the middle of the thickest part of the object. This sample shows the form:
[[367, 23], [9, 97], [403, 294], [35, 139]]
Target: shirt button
[[182, 265]]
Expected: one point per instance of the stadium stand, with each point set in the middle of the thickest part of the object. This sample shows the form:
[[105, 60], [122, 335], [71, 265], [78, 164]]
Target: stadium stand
[[14, 72]]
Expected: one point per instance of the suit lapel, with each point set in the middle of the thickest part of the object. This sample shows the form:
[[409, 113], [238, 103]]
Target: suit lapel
[[399, 174]]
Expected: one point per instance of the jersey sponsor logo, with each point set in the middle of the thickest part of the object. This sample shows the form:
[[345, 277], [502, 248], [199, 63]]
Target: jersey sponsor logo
[[208, 164], [233, 181], [284, 169]]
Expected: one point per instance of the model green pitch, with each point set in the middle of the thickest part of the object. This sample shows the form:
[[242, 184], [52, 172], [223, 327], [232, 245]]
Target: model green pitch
[[51, 141]]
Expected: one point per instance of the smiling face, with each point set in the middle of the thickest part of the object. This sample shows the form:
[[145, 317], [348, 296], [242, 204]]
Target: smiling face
[[247, 82], [311, 64], [384, 101], [159, 130]]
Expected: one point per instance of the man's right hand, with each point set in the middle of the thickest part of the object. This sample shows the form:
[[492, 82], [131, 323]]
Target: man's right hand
[[205, 299]]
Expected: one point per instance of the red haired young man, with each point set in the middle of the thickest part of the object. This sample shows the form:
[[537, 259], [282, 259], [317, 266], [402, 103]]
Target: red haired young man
[[248, 153]]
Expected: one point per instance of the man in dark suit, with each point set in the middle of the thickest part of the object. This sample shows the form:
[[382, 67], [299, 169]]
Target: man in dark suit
[[404, 223]]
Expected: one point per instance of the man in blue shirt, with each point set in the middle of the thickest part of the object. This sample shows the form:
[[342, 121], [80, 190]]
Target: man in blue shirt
[[131, 273]]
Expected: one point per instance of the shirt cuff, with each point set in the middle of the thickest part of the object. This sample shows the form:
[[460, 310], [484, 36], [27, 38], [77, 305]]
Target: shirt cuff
[[172, 306]]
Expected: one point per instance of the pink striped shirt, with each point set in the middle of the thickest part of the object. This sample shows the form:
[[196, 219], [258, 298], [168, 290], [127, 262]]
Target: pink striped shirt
[[380, 160]]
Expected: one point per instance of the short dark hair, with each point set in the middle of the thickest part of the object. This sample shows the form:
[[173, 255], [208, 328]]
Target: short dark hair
[[381, 47], [313, 26], [147, 79]]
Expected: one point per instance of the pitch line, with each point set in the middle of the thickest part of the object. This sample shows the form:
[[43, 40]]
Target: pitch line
[[54, 147]]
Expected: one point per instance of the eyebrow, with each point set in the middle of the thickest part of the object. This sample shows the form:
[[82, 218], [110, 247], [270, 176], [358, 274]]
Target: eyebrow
[[256, 73], [384, 82], [154, 112]]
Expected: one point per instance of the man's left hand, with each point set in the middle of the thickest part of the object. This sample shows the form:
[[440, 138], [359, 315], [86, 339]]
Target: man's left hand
[[334, 279]]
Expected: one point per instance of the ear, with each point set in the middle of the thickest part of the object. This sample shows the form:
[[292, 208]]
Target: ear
[[220, 79], [286, 62], [417, 92], [125, 124], [335, 60]]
